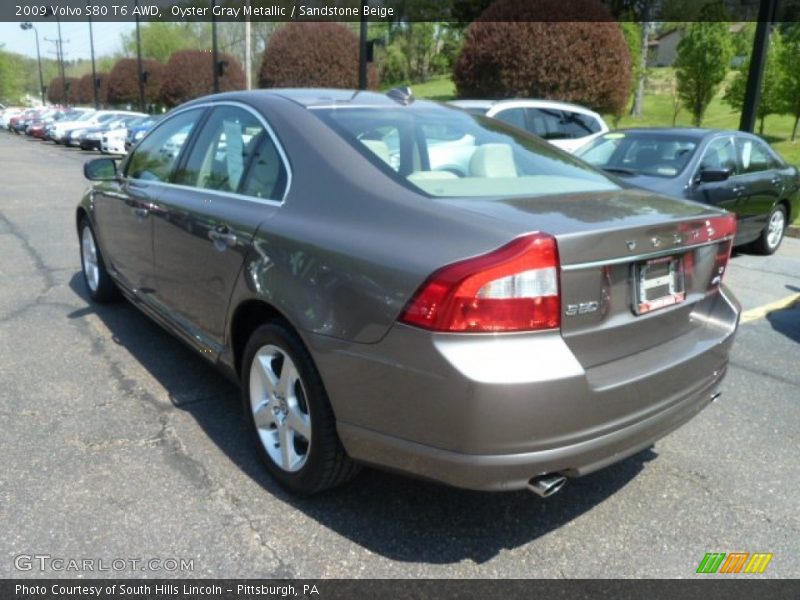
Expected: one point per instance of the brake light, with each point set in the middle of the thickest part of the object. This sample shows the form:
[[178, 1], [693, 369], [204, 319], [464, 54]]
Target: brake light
[[513, 288], [724, 228]]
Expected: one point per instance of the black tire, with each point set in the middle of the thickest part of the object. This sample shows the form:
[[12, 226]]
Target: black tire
[[101, 289], [326, 464], [767, 243]]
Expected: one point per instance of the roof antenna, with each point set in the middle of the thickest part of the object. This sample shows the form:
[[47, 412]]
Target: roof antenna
[[402, 95]]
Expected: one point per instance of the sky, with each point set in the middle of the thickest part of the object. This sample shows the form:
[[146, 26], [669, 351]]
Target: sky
[[107, 38]]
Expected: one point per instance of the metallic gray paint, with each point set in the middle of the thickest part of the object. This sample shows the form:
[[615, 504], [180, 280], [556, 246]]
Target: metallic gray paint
[[348, 247]]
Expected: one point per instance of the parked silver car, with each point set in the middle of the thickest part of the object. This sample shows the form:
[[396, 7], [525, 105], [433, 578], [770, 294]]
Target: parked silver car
[[505, 326]]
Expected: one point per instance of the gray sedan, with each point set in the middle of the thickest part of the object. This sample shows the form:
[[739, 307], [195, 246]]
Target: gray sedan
[[400, 283], [730, 169]]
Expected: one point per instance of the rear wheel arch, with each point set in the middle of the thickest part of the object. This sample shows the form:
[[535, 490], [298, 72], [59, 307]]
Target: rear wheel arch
[[247, 317], [790, 214]]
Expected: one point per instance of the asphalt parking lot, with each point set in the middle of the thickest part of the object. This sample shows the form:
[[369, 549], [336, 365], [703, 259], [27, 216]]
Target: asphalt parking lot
[[120, 443]]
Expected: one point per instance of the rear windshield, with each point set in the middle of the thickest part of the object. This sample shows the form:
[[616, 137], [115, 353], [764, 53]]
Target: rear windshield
[[447, 152], [640, 153]]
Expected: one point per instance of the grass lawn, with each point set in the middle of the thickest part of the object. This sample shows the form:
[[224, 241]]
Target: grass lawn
[[441, 89]]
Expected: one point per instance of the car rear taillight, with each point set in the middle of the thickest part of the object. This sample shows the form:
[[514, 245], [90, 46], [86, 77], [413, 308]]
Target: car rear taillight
[[724, 229], [513, 288]]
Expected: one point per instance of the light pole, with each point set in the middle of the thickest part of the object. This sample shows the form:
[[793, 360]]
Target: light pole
[[214, 48], [139, 62], [362, 48], [27, 27], [94, 69]]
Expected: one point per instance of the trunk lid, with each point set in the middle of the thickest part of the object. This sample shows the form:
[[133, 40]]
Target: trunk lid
[[605, 242]]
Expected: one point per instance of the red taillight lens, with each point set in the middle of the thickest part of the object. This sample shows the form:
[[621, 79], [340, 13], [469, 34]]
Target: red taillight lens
[[723, 227], [513, 288]]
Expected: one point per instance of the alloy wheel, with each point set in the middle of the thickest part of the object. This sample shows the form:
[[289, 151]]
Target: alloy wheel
[[777, 223], [91, 269], [279, 407]]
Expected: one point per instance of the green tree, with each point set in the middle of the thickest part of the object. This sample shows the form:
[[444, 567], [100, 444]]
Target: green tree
[[161, 40], [789, 83], [704, 53], [770, 101], [12, 87], [633, 34], [416, 51]]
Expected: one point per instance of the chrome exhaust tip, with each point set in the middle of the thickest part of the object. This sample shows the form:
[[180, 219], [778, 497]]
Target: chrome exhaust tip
[[547, 485]]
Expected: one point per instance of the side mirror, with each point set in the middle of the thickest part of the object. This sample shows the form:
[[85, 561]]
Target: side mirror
[[100, 169], [714, 175]]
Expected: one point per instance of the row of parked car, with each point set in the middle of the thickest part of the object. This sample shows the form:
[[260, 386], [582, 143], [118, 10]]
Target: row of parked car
[[109, 131]]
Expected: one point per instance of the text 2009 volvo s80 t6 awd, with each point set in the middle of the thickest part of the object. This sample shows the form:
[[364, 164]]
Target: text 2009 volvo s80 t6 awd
[[403, 284]]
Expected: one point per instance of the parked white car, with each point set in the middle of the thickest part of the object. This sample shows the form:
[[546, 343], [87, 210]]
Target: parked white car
[[113, 142], [568, 126], [8, 114]]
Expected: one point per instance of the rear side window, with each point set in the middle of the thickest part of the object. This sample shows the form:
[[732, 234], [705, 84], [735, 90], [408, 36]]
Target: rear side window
[[551, 124], [754, 156], [515, 117], [155, 157], [447, 152], [234, 153]]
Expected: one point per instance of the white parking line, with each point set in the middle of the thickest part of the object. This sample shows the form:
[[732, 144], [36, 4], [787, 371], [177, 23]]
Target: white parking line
[[762, 311]]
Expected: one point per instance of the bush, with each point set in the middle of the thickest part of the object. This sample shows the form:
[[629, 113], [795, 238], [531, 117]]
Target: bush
[[313, 55], [123, 81], [581, 58], [83, 92], [189, 74], [55, 91]]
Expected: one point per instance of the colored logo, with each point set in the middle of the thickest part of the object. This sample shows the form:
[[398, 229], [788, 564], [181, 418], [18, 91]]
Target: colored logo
[[734, 562]]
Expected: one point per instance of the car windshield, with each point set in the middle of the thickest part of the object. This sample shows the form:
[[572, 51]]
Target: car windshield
[[640, 153], [448, 152]]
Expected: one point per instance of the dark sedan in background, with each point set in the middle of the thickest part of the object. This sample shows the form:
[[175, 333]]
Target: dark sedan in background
[[733, 170], [402, 283]]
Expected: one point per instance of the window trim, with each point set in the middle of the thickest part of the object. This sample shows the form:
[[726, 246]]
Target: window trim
[[190, 145]]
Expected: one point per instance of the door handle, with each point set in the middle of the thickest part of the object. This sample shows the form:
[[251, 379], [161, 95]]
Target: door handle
[[738, 189], [776, 181], [141, 213], [222, 238]]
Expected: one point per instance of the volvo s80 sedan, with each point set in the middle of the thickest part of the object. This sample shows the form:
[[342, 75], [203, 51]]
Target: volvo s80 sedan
[[505, 317]]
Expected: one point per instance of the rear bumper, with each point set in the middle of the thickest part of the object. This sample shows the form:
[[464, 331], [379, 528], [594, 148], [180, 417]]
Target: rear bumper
[[497, 472], [491, 412]]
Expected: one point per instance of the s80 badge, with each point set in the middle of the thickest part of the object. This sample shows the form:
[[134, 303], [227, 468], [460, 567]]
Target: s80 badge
[[582, 308]]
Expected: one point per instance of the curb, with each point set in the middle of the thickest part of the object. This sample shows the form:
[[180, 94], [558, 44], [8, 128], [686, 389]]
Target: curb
[[793, 231]]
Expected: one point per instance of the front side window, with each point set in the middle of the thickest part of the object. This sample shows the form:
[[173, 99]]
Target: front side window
[[720, 154], [450, 153], [156, 156], [235, 153]]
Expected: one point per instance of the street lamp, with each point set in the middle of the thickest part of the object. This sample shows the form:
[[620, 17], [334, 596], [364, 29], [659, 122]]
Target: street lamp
[[27, 27]]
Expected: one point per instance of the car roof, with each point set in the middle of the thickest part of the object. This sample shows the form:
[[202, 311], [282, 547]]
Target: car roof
[[690, 132], [528, 102], [322, 97]]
